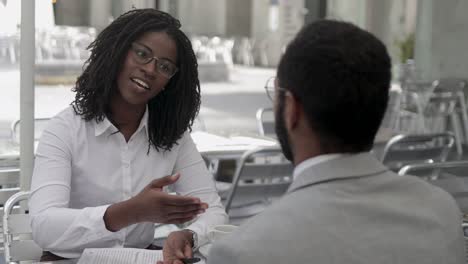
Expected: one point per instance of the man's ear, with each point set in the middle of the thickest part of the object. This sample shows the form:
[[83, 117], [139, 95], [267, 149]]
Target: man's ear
[[292, 111]]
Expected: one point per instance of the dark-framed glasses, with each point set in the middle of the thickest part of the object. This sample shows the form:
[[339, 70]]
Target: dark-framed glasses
[[144, 55], [270, 88]]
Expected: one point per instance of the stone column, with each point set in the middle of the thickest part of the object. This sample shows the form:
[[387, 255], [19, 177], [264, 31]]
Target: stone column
[[203, 17], [441, 37], [71, 13], [238, 18], [100, 13], [378, 19]]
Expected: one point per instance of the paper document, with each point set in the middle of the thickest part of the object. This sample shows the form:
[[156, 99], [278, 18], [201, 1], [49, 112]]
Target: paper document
[[120, 256]]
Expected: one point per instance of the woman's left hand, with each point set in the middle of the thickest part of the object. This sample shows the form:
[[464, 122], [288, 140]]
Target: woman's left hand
[[177, 246]]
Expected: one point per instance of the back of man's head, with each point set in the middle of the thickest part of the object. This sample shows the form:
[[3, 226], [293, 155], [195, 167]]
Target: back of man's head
[[341, 76]]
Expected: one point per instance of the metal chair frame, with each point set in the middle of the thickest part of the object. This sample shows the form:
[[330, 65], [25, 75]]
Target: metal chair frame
[[19, 245], [265, 128], [420, 143], [265, 181]]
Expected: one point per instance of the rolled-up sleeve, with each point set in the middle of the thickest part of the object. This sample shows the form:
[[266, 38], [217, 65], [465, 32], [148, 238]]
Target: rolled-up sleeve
[[55, 226], [196, 181]]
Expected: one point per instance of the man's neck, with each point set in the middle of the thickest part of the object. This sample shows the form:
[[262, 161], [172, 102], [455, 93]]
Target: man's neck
[[306, 151]]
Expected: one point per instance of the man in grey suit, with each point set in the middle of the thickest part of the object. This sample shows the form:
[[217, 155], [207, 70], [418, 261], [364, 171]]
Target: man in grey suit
[[344, 206]]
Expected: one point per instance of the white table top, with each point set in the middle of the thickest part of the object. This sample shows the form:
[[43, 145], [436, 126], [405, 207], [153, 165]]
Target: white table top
[[214, 146]]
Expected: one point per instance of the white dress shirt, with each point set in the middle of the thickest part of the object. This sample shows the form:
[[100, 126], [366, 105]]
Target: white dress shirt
[[82, 167]]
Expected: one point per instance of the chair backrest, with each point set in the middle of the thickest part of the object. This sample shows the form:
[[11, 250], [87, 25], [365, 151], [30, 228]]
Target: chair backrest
[[403, 149], [423, 90], [266, 122], [9, 185], [414, 98], [19, 245], [39, 126], [441, 103], [9, 177], [452, 84], [261, 176]]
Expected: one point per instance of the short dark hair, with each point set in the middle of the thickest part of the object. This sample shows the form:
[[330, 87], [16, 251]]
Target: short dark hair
[[174, 109], [341, 75]]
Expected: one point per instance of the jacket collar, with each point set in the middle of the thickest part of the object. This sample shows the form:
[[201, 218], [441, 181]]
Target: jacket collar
[[346, 166]]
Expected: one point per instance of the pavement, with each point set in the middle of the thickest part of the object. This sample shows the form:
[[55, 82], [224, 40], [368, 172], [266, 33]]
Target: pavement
[[228, 108]]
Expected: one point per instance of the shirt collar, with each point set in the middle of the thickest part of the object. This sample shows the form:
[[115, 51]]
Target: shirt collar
[[106, 124], [304, 165]]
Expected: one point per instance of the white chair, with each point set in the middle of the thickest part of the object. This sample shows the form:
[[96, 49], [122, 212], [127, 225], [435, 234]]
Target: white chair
[[262, 175], [441, 108], [457, 87], [403, 149], [19, 245], [39, 126], [414, 97], [266, 122], [9, 185]]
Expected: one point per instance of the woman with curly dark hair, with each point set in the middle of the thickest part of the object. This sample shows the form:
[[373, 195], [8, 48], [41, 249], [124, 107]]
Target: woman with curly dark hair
[[102, 164]]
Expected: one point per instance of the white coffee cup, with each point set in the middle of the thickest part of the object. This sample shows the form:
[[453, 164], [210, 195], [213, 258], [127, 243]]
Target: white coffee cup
[[219, 231]]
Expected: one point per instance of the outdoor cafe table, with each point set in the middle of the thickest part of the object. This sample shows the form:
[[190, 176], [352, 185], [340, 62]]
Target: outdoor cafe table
[[210, 146]]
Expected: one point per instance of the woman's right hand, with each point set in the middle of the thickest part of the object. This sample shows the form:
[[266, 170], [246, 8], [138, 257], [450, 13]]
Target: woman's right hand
[[152, 204]]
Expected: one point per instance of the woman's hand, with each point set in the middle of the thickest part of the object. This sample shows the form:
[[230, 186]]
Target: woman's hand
[[152, 204], [177, 246]]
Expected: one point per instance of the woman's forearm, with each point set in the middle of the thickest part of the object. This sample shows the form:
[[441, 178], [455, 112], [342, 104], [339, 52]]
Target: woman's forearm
[[120, 215]]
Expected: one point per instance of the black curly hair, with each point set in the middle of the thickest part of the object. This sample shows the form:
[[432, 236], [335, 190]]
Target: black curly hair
[[171, 112]]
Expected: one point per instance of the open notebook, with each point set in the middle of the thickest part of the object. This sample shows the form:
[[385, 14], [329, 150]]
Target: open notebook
[[121, 256]]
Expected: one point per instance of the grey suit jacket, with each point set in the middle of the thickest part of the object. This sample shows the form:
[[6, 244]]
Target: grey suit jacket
[[350, 210]]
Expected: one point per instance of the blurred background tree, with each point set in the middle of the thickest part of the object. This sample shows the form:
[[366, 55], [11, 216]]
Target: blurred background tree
[[406, 48]]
